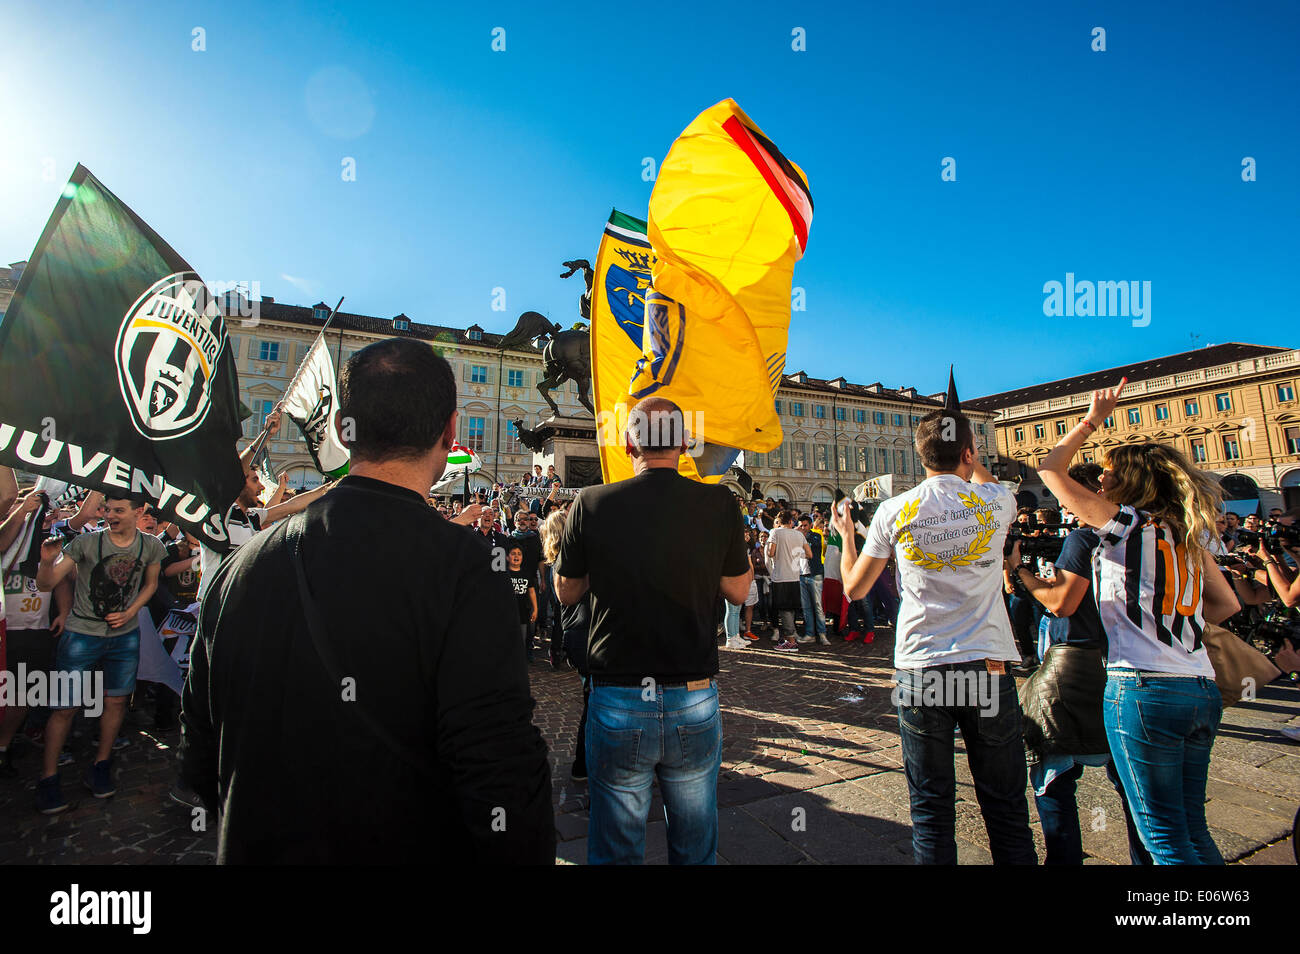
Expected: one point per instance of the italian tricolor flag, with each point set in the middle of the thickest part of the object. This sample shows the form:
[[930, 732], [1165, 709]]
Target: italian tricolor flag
[[462, 456]]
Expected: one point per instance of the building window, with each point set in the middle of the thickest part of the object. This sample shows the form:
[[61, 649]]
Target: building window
[[1060, 428], [979, 428], [1231, 451], [859, 416], [1223, 401], [898, 420], [1109, 422], [1039, 431], [401, 324], [478, 374], [474, 334], [819, 411], [776, 457], [1135, 415], [778, 405], [878, 418], [900, 463], [821, 457], [475, 436], [799, 455], [514, 379], [1020, 435], [841, 414], [796, 409], [1198, 450], [842, 457], [512, 439], [860, 461], [1285, 392], [1191, 407], [1293, 440], [1162, 412], [882, 458], [268, 351], [916, 420], [320, 312]]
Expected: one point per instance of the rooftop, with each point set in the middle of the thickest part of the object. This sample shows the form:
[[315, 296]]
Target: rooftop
[[1181, 363]]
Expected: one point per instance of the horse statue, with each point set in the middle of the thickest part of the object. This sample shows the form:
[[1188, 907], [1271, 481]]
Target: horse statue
[[566, 355]]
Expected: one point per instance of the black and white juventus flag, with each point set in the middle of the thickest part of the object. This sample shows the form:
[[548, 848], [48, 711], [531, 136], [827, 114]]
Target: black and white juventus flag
[[115, 369]]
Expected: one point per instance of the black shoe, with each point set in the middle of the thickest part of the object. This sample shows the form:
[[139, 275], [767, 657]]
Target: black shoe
[[578, 772], [49, 796], [99, 779]]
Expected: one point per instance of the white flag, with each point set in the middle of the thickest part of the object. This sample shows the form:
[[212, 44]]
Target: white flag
[[311, 402]]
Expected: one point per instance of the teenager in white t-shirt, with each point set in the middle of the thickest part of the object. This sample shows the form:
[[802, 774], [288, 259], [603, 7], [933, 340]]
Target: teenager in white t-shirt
[[787, 558], [1157, 587], [953, 640]]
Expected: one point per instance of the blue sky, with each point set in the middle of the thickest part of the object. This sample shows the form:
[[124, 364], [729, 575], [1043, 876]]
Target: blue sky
[[478, 169]]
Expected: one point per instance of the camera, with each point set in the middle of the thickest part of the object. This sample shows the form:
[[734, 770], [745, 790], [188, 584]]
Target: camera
[[1045, 544]]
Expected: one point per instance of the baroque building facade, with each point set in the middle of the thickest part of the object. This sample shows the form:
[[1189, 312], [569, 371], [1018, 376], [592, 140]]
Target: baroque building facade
[[1230, 408]]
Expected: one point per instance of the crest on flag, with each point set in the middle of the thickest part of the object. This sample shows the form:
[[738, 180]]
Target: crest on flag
[[167, 351]]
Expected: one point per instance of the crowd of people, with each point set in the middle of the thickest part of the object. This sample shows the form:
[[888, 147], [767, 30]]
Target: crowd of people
[[356, 692]]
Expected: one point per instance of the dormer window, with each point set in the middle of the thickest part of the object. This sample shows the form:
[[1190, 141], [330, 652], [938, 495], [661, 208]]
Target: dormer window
[[320, 311], [401, 323], [474, 333]]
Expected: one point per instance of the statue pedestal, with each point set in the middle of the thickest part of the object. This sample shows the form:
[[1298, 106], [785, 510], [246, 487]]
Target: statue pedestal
[[570, 444]]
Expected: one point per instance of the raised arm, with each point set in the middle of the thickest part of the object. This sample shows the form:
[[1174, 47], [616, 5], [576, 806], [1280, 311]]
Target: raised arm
[[1090, 508]]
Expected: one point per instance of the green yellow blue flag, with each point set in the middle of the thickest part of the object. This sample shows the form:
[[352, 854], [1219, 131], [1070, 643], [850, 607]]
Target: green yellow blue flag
[[728, 219]]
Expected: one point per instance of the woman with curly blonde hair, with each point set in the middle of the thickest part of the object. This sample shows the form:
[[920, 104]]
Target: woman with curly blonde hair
[[1156, 586]]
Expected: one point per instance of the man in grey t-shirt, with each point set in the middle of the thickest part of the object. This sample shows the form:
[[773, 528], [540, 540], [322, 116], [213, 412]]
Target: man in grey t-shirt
[[117, 574]]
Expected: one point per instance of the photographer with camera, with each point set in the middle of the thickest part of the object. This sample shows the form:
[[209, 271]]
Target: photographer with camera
[[1270, 547], [1157, 587], [1062, 700]]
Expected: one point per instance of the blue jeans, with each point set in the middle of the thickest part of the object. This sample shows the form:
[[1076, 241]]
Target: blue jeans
[[117, 656], [996, 753], [810, 592], [675, 736], [731, 621], [859, 617], [1160, 731], [1059, 813]]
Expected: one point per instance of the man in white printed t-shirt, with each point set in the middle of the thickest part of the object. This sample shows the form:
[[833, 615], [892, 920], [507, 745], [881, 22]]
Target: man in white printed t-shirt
[[953, 643]]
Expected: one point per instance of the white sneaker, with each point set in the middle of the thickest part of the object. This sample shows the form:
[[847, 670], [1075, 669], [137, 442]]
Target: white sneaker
[[1291, 732], [803, 640], [776, 636], [737, 642], [823, 640]]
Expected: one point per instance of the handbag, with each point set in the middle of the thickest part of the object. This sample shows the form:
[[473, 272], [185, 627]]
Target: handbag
[[1234, 661]]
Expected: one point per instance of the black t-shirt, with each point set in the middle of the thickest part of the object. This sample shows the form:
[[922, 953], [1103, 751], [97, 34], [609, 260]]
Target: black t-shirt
[[1083, 627], [814, 539], [654, 582], [184, 586], [532, 546], [520, 583]]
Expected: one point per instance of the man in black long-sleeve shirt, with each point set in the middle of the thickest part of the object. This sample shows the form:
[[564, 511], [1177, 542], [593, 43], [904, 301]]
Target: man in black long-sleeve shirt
[[409, 739]]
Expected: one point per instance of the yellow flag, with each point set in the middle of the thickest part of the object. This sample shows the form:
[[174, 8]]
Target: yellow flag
[[729, 217], [619, 287]]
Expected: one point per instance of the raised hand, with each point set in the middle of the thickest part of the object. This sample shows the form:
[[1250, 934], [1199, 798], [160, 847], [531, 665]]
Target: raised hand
[[1104, 402]]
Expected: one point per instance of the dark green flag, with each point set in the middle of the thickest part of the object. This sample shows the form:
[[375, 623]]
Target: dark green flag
[[115, 368]]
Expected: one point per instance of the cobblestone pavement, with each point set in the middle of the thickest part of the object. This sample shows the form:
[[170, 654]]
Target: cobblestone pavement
[[813, 731]]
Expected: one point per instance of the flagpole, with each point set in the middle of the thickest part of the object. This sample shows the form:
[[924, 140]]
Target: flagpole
[[297, 374]]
